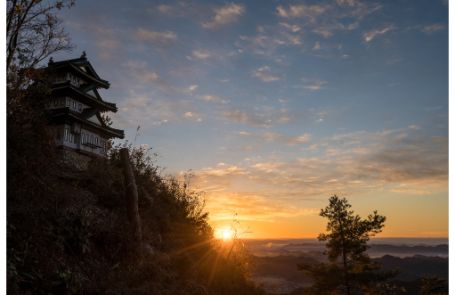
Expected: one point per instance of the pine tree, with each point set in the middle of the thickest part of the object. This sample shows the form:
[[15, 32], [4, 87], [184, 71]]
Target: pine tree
[[349, 269]]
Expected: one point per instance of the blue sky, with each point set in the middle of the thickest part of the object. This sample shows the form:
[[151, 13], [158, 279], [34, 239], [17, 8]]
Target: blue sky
[[275, 105]]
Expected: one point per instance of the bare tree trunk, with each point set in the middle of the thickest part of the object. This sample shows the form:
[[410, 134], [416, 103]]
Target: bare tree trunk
[[132, 202]]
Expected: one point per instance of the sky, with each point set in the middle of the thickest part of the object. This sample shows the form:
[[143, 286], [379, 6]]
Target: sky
[[274, 106]]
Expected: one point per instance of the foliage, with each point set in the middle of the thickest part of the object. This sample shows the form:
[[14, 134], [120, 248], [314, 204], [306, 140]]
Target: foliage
[[68, 234], [34, 31], [433, 286], [67, 230], [349, 269]]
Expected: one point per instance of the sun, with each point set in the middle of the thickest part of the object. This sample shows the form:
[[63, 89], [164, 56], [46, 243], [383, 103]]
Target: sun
[[225, 234]]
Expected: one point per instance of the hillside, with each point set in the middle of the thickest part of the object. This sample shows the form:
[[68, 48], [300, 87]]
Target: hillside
[[68, 232]]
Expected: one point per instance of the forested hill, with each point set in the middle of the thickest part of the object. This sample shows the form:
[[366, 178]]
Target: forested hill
[[68, 231]]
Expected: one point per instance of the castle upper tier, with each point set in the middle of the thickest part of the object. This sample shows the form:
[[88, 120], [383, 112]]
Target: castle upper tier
[[75, 107]]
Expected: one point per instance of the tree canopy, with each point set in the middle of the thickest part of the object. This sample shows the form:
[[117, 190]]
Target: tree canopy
[[349, 269]]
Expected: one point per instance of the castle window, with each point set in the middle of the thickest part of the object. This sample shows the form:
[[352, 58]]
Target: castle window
[[65, 134]]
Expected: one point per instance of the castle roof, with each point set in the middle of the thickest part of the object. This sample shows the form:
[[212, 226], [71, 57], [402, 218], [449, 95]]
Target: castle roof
[[80, 67]]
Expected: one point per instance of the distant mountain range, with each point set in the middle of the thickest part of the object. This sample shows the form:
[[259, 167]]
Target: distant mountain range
[[378, 248], [275, 262]]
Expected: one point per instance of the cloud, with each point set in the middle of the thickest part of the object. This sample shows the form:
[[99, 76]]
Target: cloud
[[148, 109], [244, 133], [328, 18], [192, 88], [222, 170], [141, 72], [165, 9], [266, 44], [287, 139], [302, 10], [264, 73], [178, 9], [347, 2], [270, 38], [163, 37], [252, 207], [314, 84], [263, 116], [354, 162], [106, 39], [400, 161], [213, 98], [242, 117], [275, 137], [430, 29], [371, 35], [293, 28], [192, 116], [202, 54], [224, 15]]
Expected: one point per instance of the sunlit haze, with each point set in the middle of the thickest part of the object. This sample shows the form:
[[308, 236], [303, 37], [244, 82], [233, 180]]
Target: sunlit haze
[[224, 233], [276, 105]]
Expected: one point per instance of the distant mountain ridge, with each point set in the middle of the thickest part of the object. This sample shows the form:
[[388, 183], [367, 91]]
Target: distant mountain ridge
[[275, 262], [397, 248]]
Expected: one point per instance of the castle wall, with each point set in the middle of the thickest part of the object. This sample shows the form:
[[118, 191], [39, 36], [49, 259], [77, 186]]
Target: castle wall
[[80, 139], [75, 159]]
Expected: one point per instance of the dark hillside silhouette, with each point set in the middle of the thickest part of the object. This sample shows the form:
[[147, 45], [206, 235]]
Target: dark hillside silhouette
[[68, 230]]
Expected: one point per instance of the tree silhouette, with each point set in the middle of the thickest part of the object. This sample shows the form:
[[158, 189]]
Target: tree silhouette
[[349, 269], [33, 33]]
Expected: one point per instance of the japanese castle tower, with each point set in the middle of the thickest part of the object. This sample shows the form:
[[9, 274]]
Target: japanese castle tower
[[75, 108]]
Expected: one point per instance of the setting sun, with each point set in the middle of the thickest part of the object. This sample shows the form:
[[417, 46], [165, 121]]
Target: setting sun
[[225, 234]]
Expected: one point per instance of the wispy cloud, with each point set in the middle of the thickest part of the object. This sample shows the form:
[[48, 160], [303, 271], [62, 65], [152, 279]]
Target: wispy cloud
[[141, 71], [106, 39], [142, 34], [275, 137], [263, 116], [325, 19], [224, 15], [399, 161], [348, 2], [302, 10], [213, 98], [242, 117], [265, 74], [290, 140], [291, 27], [252, 207], [165, 9], [192, 116], [314, 84], [429, 29], [371, 35], [192, 88], [202, 54], [151, 109]]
